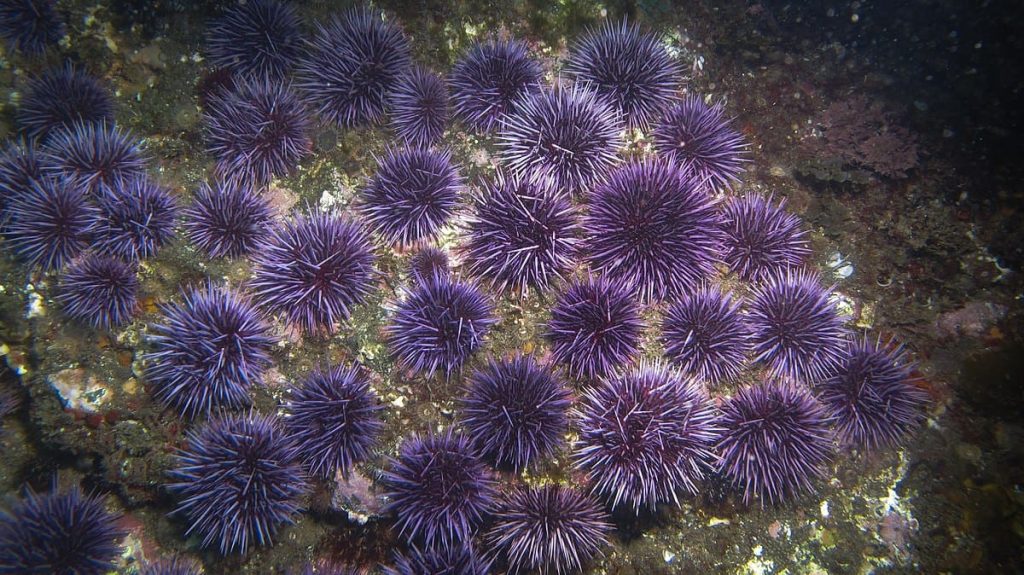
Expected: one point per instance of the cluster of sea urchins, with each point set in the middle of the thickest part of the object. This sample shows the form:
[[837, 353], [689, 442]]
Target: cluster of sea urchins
[[659, 232]]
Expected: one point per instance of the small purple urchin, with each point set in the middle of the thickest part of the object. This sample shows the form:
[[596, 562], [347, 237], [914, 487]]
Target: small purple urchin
[[352, 65], [489, 79], [92, 155], [413, 194], [439, 324], [49, 223], [645, 435], [775, 441], [515, 411], [30, 25], [136, 218], [706, 336], [258, 131], [228, 219], [565, 134], [796, 330], [549, 529], [427, 263], [315, 268], [19, 167], [454, 560], [419, 108], [761, 238], [257, 39], [99, 290], [334, 420], [238, 480], [653, 227], [208, 351], [173, 566], [62, 532], [630, 69], [594, 328], [873, 399], [60, 99], [700, 138], [522, 234]]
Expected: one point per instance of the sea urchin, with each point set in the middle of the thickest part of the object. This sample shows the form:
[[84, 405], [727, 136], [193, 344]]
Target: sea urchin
[[228, 219], [705, 335], [490, 79], [99, 290], [700, 138]]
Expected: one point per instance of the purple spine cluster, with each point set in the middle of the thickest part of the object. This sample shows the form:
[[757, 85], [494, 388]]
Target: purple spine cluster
[[228, 219], [61, 98], [50, 222], [258, 39], [137, 218], [99, 290], [419, 108], [706, 336], [93, 155], [701, 138], [490, 79], [762, 239]]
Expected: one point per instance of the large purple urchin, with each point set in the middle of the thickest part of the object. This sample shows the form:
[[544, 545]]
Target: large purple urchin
[[522, 234], [172, 566], [489, 79], [334, 420], [60, 99], [795, 328], [775, 441], [258, 131], [208, 351], [700, 138], [427, 263], [419, 108], [30, 25], [645, 435], [706, 336], [19, 167], [565, 134], [99, 290], [228, 219], [136, 218], [630, 69], [439, 324], [238, 480], [873, 399], [49, 223], [257, 39], [654, 228], [314, 269], [413, 194], [62, 532], [351, 67], [454, 560], [93, 155], [550, 529], [595, 327], [761, 238], [440, 489], [515, 411]]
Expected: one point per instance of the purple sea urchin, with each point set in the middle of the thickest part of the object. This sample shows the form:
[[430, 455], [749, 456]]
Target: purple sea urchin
[[700, 138], [775, 441], [705, 335], [50, 223], [258, 131], [439, 325], [453, 560], [872, 398], [256, 39], [238, 480], [630, 69], [645, 435], [565, 134], [61, 98], [353, 64], [653, 227], [550, 529], [314, 269], [137, 218], [796, 330], [440, 489], [419, 108], [62, 532], [208, 351], [99, 290], [761, 238], [595, 327], [19, 167], [489, 79], [521, 235], [334, 420], [92, 155], [228, 219], [30, 25], [515, 411], [427, 263], [412, 195], [173, 566]]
